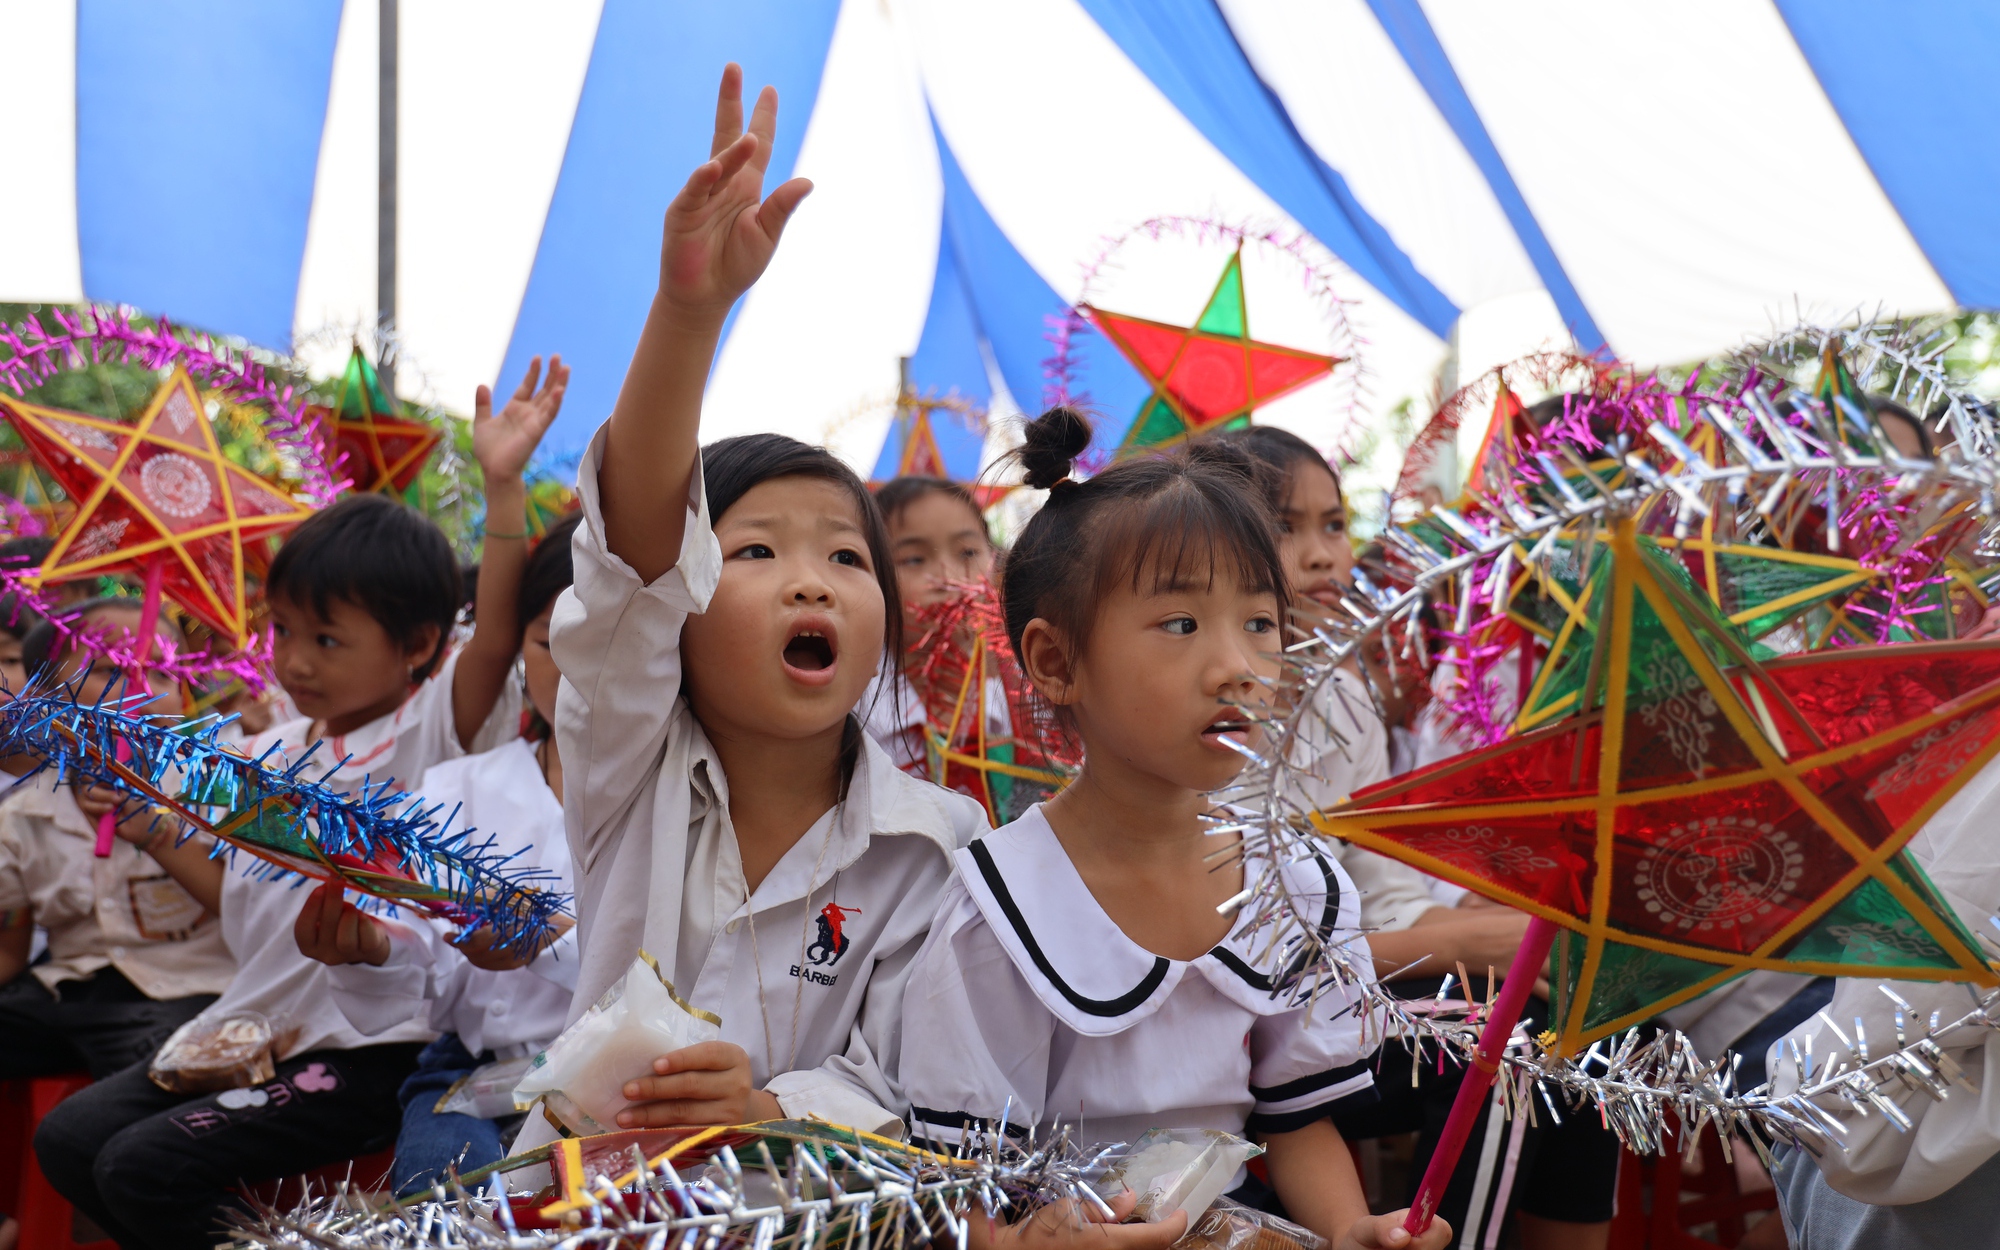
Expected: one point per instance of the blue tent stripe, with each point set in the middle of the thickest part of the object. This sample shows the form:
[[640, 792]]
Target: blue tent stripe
[[1187, 49], [642, 124], [1910, 84], [948, 364], [160, 225], [1016, 310], [948, 360], [1410, 30]]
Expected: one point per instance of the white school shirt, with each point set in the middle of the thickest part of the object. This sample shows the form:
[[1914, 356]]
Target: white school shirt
[[658, 867], [258, 915], [1951, 1139], [1029, 1001], [499, 795], [1393, 894], [122, 911]]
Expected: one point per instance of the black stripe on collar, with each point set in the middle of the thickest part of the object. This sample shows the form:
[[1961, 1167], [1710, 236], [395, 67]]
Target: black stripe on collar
[[1329, 920], [1092, 1006]]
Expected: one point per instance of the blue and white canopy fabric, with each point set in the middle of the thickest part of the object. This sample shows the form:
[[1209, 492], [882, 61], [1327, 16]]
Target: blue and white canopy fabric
[[1661, 179]]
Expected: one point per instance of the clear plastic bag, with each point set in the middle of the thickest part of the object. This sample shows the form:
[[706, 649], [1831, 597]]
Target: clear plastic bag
[[211, 1053], [581, 1077], [1230, 1225], [486, 1093], [1179, 1170]]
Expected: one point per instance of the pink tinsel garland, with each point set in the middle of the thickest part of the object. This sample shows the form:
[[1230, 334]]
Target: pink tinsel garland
[[35, 355]]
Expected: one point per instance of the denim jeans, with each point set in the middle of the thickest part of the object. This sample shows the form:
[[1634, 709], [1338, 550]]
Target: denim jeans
[[430, 1142]]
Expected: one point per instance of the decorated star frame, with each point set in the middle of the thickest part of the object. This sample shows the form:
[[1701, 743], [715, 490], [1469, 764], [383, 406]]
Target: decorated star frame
[[1706, 814], [376, 447], [157, 497]]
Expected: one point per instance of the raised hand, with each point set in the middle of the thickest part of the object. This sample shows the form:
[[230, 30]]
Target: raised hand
[[721, 231], [504, 443]]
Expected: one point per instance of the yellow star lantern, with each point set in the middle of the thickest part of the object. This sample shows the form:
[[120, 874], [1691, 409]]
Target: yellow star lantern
[[157, 497]]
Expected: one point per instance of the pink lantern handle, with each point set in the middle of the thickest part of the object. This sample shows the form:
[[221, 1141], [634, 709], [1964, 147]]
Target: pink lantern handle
[[149, 618], [1521, 975]]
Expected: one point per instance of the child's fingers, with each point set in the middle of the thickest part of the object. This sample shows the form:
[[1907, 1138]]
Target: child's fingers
[[668, 1114], [702, 1057], [733, 158], [682, 1087], [1143, 1236], [526, 390], [728, 109], [482, 404], [779, 206], [764, 120]]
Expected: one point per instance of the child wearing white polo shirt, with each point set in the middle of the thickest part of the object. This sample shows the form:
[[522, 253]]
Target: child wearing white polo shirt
[[363, 596]]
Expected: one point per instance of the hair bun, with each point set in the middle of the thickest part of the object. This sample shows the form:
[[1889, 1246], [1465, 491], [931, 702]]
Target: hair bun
[[1053, 442]]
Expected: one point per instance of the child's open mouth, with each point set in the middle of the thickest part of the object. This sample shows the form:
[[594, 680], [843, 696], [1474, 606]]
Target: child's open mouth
[[810, 653], [1230, 724]]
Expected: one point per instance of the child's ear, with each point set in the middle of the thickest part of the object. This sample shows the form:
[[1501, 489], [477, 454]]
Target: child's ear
[[1047, 662], [423, 646]]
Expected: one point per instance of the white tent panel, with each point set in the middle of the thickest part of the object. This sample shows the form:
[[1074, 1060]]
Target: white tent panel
[[1067, 143], [1359, 106], [1627, 126], [39, 256], [815, 347], [336, 298], [486, 98]]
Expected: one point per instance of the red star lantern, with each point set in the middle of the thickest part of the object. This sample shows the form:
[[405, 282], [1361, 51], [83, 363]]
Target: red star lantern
[[1706, 814], [1211, 375], [157, 495], [374, 447]]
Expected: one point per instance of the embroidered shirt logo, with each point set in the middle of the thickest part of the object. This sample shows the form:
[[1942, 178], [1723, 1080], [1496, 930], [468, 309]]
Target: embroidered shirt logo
[[831, 943]]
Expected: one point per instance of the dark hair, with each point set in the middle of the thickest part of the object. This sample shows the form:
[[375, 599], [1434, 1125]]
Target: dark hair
[[1884, 409], [1277, 455], [17, 619], [730, 467], [384, 557], [47, 642], [1178, 516], [549, 571], [899, 493], [22, 553]]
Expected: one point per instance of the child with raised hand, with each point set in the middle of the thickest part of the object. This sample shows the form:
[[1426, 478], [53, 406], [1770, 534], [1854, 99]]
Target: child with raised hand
[[1082, 966], [726, 813], [362, 597], [485, 1009]]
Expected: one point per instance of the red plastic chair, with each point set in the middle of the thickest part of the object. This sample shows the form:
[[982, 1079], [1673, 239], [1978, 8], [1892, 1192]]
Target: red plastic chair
[[1655, 1213], [48, 1222]]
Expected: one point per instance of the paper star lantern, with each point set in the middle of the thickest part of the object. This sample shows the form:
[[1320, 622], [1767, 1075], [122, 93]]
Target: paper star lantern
[[375, 447], [157, 494], [1704, 815], [1208, 376]]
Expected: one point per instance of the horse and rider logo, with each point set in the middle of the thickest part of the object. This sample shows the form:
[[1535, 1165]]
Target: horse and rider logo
[[831, 943]]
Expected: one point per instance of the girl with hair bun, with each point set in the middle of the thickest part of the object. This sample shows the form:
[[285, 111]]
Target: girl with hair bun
[[1084, 965]]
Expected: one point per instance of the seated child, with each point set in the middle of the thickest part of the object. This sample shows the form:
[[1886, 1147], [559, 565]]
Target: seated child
[[385, 972], [725, 802], [362, 596], [938, 540], [131, 954], [1083, 966], [1414, 939]]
